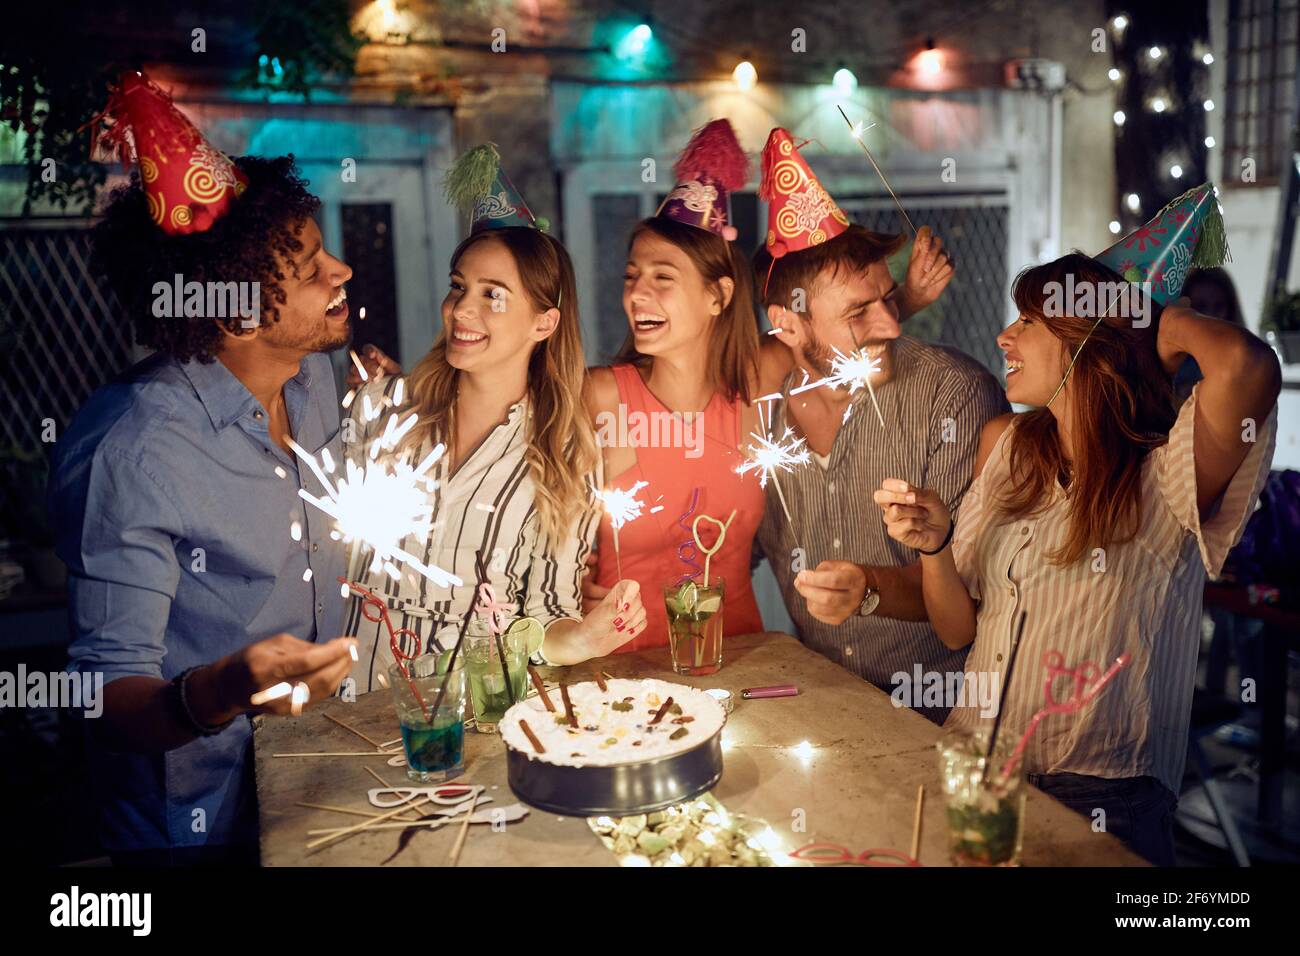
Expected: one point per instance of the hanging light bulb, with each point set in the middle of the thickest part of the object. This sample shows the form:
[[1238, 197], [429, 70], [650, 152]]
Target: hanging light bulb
[[1176, 171], [844, 81], [1113, 73], [745, 75], [930, 60], [1133, 202], [1209, 106], [1210, 142], [1119, 117], [1114, 227]]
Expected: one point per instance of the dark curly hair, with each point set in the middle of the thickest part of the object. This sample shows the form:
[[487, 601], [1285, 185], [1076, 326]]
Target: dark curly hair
[[133, 253]]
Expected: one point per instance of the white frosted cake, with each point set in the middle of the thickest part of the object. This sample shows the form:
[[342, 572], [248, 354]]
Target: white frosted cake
[[614, 725]]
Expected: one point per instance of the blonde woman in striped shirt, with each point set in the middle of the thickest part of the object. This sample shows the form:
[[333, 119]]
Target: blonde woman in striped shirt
[[1098, 515], [502, 388]]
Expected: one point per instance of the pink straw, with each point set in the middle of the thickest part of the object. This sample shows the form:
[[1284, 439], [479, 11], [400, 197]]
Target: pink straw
[[1087, 685]]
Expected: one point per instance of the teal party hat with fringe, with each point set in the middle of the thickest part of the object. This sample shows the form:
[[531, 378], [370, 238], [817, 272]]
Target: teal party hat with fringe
[[477, 184], [1187, 233]]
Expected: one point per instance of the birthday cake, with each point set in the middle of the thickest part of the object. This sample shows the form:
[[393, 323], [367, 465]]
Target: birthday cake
[[632, 746]]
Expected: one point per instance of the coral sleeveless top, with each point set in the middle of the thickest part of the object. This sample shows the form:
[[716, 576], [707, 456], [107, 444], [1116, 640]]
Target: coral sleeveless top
[[689, 466]]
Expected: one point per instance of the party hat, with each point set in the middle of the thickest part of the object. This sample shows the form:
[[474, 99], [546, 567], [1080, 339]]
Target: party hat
[[800, 212], [188, 183], [711, 166], [1187, 233], [477, 184]]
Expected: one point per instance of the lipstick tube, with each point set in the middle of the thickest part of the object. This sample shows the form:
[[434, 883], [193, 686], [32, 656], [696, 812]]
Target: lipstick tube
[[776, 690]]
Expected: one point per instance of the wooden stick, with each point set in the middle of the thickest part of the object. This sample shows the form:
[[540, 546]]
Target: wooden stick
[[352, 730], [916, 823], [344, 753], [532, 737], [541, 688], [391, 743], [600, 682], [396, 825], [350, 831], [568, 706], [454, 855], [662, 710], [327, 806]]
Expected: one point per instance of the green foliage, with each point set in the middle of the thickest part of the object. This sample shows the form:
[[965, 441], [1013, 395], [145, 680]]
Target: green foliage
[[1282, 314]]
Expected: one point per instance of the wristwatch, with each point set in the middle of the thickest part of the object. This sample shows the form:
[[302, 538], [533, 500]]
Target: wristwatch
[[870, 601]]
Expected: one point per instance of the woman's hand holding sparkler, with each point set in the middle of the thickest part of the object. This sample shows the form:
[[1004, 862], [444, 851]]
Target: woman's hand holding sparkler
[[915, 517], [278, 675], [614, 620]]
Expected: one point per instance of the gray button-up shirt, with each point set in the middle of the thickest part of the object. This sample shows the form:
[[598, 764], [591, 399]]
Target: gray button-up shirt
[[934, 409]]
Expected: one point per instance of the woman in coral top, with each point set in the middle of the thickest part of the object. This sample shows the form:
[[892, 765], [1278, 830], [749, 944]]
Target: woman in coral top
[[674, 410]]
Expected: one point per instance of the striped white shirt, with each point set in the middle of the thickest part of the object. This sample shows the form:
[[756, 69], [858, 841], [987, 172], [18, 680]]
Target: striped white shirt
[[486, 506], [934, 409], [1143, 597]]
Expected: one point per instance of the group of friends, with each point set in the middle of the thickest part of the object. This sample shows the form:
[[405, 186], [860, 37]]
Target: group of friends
[[1086, 524]]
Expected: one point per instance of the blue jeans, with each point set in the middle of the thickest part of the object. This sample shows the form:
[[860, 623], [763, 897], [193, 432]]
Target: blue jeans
[[1139, 810]]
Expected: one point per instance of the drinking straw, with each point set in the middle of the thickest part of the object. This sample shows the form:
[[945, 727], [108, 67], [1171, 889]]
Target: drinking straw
[[1078, 700], [460, 638], [916, 824], [1002, 697]]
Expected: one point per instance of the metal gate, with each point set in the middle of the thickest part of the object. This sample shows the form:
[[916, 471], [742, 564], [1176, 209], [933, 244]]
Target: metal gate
[[62, 335]]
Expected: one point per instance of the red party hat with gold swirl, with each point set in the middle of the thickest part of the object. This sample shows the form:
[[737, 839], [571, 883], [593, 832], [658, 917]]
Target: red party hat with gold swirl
[[188, 183], [800, 212]]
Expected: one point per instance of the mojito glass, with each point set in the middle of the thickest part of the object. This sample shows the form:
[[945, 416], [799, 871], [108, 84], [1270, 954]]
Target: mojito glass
[[695, 626], [985, 813], [487, 676]]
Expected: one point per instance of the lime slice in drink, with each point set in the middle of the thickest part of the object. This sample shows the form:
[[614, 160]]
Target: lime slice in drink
[[531, 630], [687, 597], [709, 604]]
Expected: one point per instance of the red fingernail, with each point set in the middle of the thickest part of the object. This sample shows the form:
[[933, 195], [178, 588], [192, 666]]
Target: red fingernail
[[618, 622]]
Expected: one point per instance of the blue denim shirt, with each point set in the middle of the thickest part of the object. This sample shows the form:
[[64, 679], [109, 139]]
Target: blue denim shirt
[[175, 527]]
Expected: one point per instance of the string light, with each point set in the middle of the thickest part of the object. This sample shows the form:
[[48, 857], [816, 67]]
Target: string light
[[1155, 53], [1133, 202], [1209, 106], [1158, 105], [1119, 22], [745, 75], [1176, 171], [1208, 59], [1114, 74], [930, 60], [1210, 142], [1114, 227], [844, 81], [1119, 117]]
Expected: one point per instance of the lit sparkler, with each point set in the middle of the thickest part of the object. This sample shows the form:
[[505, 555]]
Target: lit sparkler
[[622, 506], [852, 371], [769, 457]]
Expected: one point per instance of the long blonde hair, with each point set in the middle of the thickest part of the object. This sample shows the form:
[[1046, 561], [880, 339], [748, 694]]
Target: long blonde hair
[[561, 451]]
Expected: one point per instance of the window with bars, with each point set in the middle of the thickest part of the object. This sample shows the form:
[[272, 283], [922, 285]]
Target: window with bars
[[62, 335], [1263, 38], [971, 312]]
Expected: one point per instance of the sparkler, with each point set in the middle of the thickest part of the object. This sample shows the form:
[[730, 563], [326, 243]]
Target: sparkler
[[622, 507], [769, 457], [857, 131], [852, 371]]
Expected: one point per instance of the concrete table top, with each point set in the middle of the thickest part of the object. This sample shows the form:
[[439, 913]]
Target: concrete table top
[[839, 763]]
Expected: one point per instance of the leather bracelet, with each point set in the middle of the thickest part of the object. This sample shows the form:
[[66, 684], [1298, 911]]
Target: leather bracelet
[[192, 723], [952, 524]]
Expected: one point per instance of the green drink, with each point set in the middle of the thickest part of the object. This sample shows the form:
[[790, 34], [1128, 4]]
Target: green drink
[[985, 812], [487, 677], [695, 626]]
